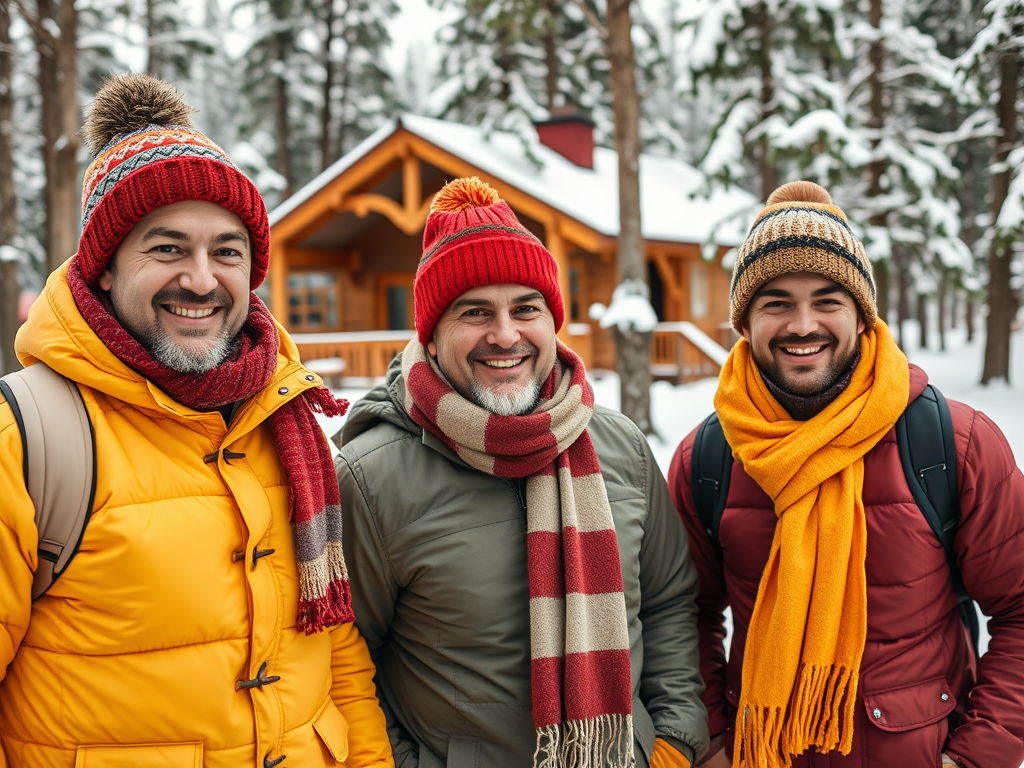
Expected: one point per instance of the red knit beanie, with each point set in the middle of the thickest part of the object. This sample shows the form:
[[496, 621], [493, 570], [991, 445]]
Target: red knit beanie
[[148, 155], [472, 238]]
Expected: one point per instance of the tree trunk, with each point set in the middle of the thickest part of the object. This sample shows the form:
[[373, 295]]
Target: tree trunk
[[8, 201], [327, 155], [769, 173], [58, 87], [633, 348], [882, 287], [284, 153], [345, 93], [1000, 301], [969, 317], [155, 64], [876, 168], [551, 53], [943, 300], [902, 297], [922, 320]]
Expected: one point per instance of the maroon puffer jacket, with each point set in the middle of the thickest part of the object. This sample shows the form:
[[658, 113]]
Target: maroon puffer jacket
[[917, 696]]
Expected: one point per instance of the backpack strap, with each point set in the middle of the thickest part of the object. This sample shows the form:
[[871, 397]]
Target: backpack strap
[[924, 434], [59, 462], [712, 469]]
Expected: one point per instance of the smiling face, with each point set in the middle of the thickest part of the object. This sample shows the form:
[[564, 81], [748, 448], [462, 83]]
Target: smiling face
[[496, 345], [179, 283], [803, 330]]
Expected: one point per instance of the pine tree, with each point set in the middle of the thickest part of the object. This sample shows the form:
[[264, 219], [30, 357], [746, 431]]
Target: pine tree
[[772, 60], [358, 90], [994, 60], [509, 63], [8, 202]]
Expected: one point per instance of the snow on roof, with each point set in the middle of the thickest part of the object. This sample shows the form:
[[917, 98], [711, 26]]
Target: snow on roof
[[669, 213]]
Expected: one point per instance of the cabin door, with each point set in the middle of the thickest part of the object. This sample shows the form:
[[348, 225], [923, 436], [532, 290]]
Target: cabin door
[[394, 301]]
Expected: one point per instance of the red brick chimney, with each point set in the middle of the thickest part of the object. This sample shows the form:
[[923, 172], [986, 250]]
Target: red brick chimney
[[570, 132]]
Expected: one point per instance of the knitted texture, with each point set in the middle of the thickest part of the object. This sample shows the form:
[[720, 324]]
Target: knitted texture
[[579, 639], [805, 640], [800, 230], [146, 168], [314, 498], [473, 238]]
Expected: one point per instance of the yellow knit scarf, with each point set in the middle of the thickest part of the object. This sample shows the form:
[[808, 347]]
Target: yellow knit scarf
[[806, 634]]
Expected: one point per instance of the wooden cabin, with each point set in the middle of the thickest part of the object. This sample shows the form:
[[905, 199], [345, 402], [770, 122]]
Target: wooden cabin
[[345, 247]]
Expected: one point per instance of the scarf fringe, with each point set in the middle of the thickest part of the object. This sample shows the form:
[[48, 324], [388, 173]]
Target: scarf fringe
[[322, 401], [605, 741], [820, 716], [333, 609]]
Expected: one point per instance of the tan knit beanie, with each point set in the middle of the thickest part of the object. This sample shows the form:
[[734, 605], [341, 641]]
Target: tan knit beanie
[[800, 230]]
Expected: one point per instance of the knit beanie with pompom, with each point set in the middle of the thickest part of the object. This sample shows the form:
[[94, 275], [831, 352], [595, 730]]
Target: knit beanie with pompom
[[800, 230], [472, 238], [148, 155]]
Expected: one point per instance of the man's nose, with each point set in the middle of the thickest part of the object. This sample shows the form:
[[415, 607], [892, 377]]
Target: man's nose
[[802, 322], [198, 276], [503, 331]]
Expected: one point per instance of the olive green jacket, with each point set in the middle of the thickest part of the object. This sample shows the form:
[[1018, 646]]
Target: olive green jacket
[[437, 553]]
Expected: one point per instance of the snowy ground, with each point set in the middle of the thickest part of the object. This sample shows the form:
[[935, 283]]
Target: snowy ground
[[677, 410]]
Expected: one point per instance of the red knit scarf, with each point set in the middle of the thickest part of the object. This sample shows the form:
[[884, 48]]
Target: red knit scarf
[[314, 500], [579, 638]]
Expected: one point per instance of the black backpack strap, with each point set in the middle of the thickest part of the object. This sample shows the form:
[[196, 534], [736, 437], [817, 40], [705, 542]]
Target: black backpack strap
[[924, 434], [712, 467]]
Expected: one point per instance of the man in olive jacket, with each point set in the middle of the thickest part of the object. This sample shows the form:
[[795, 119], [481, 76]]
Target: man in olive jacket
[[526, 590]]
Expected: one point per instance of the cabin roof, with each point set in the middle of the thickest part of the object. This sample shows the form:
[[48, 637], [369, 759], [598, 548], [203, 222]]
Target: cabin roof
[[671, 191]]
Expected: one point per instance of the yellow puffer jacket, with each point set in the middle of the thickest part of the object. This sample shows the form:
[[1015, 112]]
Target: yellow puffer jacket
[[131, 660]]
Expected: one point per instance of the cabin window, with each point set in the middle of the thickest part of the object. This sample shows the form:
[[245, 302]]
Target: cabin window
[[698, 290], [312, 302], [397, 301], [657, 290], [574, 294]]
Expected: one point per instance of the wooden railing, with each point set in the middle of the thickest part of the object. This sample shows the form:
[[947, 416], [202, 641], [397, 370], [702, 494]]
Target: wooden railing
[[366, 355], [681, 352]]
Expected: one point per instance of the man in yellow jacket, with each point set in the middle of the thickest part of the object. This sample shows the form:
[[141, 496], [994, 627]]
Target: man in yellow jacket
[[206, 618]]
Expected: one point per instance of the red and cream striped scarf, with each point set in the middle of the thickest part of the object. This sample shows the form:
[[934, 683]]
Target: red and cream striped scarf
[[313, 497], [582, 685]]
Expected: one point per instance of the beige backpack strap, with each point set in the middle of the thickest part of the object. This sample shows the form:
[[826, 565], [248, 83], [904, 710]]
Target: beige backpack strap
[[59, 462]]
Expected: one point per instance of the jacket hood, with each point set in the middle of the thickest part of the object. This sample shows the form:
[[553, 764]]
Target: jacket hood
[[57, 334], [383, 403]]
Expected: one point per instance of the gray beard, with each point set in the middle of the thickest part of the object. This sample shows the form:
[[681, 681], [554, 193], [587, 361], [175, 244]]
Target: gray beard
[[191, 361], [517, 404]]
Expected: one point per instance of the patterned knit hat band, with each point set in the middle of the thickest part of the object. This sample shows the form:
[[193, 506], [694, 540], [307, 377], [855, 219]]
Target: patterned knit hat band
[[800, 230], [472, 238], [148, 155], [150, 144]]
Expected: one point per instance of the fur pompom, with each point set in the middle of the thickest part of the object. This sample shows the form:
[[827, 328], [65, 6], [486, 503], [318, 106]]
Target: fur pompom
[[460, 194], [128, 103], [800, 192]]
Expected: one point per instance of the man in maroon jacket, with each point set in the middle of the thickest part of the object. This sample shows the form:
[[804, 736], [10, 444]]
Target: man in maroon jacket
[[848, 647]]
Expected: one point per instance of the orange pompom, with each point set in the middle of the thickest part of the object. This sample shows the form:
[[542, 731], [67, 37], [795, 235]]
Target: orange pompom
[[460, 194], [800, 192]]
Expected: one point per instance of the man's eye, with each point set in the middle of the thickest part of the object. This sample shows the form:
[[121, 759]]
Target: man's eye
[[526, 309], [473, 313], [165, 248], [229, 253]]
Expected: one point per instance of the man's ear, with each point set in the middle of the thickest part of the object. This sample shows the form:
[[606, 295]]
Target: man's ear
[[106, 279], [432, 348], [745, 327], [861, 325]]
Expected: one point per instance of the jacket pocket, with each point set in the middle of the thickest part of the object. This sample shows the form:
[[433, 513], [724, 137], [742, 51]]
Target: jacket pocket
[[909, 722], [463, 752], [188, 755], [332, 728]]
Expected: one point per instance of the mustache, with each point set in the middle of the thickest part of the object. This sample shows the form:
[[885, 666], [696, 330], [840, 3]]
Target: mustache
[[813, 338], [217, 297], [518, 350]]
